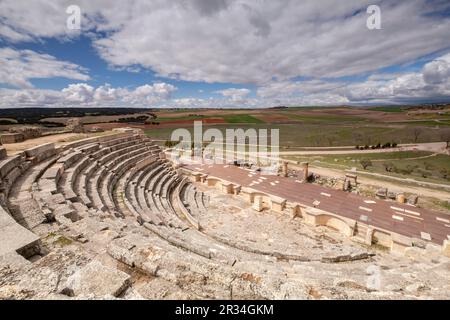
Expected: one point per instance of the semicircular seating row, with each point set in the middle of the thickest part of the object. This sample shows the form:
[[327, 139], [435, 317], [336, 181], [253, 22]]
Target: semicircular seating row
[[113, 176]]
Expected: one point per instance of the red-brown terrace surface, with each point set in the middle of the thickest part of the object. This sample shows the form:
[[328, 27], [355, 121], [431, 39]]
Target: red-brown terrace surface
[[404, 219]]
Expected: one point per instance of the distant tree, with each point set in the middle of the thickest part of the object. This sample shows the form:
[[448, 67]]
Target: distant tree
[[365, 163], [428, 166], [357, 137], [410, 168], [445, 136], [444, 173], [388, 166], [331, 140], [417, 132], [423, 173]]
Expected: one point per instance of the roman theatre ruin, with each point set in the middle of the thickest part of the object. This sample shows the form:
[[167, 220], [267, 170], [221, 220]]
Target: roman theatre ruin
[[112, 217]]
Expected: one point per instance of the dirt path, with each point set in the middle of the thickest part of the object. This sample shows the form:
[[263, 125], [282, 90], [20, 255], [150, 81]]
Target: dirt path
[[382, 183], [58, 139], [415, 158], [435, 147]]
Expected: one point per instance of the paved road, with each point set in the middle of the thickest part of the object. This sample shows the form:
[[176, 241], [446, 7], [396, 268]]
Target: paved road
[[390, 215]]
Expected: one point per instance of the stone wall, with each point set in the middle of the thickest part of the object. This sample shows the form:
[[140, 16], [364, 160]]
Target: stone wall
[[2, 153], [355, 230], [12, 138]]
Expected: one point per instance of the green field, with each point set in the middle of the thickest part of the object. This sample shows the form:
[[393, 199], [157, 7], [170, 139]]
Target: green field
[[418, 165], [310, 135], [428, 123], [168, 119], [325, 118], [241, 118], [388, 109]]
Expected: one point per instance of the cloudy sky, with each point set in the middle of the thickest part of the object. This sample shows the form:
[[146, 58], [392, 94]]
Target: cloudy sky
[[223, 53]]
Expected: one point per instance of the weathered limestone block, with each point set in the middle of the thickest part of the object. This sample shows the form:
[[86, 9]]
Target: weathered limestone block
[[35, 151], [196, 176], [15, 238], [90, 148], [257, 204], [227, 187], [294, 210], [412, 199], [98, 280], [277, 203], [247, 194], [309, 216], [64, 210], [48, 185], [49, 200], [8, 164], [284, 169], [11, 177], [54, 172], [305, 166], [70, 159], [401, 198], [347, 185], [392, 195], [317, 217], [11, 138], [446, 248], [400, 243], [382, 193], [369, 236]]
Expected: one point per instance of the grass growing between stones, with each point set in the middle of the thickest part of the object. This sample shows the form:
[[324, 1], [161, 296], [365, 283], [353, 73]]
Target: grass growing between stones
[[63, 241]]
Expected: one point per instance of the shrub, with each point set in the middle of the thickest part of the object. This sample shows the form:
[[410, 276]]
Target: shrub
[[388, 166], [444, 173], [428, 166], [365, 163], [423, 173]]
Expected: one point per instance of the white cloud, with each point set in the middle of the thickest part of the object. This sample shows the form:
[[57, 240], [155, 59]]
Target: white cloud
[[432, 83], [82, 94], [267, 43], [19, 66], [257, 41], [242, 41], [79, 93], [378, 88], [437, 71], [32, 20], [236, 95]]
